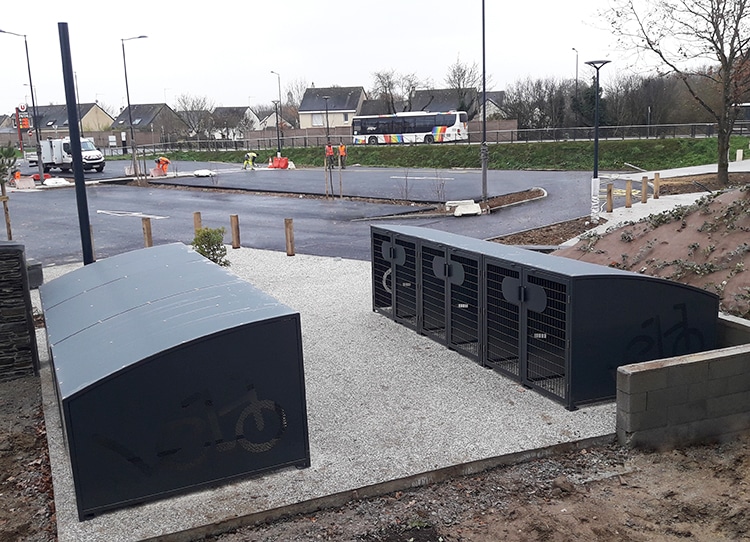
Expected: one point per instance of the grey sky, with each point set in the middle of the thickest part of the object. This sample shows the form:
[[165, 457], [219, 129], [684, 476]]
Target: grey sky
[[226, 49]]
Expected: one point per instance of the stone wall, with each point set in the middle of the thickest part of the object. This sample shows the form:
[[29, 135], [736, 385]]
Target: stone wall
[[18, 351], [672, 402]]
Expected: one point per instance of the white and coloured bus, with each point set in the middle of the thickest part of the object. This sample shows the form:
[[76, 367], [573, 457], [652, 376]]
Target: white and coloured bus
[[410, 127]]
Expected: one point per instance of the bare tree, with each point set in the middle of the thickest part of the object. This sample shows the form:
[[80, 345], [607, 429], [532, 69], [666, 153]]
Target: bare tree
[[683, 34], [196, 112], [295, 91], [466, 81], [395, 89]]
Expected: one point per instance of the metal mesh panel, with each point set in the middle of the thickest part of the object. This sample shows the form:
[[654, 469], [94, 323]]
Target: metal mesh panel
[[503, 323], [546, 339], [406, 284], [465, 307], [433, 295], [382, 281]]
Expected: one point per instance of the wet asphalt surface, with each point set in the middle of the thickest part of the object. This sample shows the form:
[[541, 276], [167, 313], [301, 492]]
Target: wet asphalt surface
[[47, 222]]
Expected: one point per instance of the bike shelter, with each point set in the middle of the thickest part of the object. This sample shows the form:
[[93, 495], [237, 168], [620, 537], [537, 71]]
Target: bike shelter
[[556, 325], [171, 374]]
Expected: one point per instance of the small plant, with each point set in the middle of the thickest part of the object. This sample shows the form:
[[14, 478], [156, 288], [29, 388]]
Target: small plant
[[209, 242]]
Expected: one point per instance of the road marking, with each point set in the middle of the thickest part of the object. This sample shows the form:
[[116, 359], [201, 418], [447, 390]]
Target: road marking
[[422, 178], [135, 214]]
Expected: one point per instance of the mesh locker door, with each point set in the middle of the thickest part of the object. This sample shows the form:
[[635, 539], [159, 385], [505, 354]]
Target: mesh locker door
[[464, 304], [382, 274], [433, 292], [546, 336], [503, 322], [405, 270]]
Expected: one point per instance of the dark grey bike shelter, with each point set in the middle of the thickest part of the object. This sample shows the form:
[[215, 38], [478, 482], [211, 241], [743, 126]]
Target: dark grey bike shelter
[[557, 325], [172, 374]]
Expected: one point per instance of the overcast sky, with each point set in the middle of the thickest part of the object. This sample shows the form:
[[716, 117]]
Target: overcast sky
[[225, 50]]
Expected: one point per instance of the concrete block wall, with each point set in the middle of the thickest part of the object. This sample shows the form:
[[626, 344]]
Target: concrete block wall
[[678, 401], [18, 352]]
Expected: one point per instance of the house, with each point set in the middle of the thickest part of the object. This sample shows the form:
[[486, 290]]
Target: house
[[434, 100], [53, 119], [334, 106], [151, 123], [233, 122], [269, 122], [493, 103], [446, 99]]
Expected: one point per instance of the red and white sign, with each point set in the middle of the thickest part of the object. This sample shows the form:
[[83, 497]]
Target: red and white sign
[[22, 107]]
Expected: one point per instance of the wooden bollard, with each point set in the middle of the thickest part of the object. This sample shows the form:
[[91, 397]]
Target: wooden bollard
[[197, 223], [610, 197], [657, 180], [628, 194], [235, 222], [289, 231], [644, 189], [148, 239]]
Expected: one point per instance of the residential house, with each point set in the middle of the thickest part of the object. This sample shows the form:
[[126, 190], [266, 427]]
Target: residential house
[[233, 122], [493, 103], [446, 99], [330, 107], [152, 123], [53, 119]]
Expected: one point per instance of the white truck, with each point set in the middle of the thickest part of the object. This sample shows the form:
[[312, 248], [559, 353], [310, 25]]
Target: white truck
[[56, 153]]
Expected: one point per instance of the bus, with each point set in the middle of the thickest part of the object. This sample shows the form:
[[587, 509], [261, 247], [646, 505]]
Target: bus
[[410, 127]]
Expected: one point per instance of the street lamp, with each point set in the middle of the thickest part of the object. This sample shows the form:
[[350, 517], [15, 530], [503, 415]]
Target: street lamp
[[577, 104], [39, 161], [596, 64], [127, 94], [328, 134], [278, 139], [276, 104], [484, 151]]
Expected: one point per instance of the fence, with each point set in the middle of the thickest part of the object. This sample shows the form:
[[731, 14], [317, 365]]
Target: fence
[[317, 137]]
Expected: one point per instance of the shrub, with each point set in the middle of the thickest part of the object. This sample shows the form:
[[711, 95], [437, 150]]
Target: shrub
[[209, 242]]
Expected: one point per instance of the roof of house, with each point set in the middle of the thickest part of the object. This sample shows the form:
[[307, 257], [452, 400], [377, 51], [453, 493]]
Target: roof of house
[[496, 96], [57, 115], [143, 115], [445, 99], [232, 116], [339, 99]]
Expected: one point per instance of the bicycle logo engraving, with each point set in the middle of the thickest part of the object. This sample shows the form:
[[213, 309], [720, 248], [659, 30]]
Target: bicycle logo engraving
[[185, 442], [651, 345]]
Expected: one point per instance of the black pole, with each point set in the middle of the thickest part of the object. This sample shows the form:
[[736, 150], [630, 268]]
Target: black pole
[[484, 152], [75, 144]]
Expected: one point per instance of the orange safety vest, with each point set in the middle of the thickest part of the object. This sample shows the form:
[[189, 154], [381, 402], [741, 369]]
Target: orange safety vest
[[342, 150], [329, 150]]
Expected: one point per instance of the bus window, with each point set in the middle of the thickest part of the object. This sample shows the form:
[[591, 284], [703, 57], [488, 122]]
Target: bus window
[[445, 120], [463, 117]]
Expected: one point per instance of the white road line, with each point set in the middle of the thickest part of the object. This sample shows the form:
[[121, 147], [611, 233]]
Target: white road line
[[135, 214]]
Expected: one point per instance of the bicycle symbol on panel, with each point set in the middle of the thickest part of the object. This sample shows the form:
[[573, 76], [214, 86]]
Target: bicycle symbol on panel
[[651, 345]]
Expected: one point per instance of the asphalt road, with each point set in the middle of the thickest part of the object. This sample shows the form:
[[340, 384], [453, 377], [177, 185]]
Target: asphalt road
[[46, 220]]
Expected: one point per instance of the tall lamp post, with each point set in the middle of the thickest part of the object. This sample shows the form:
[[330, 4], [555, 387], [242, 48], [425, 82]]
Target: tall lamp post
[[130, 112], [37, 131], [484, 151], [596, 64], [278, 139], [578, 105], [276, 105], [328, 133]]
